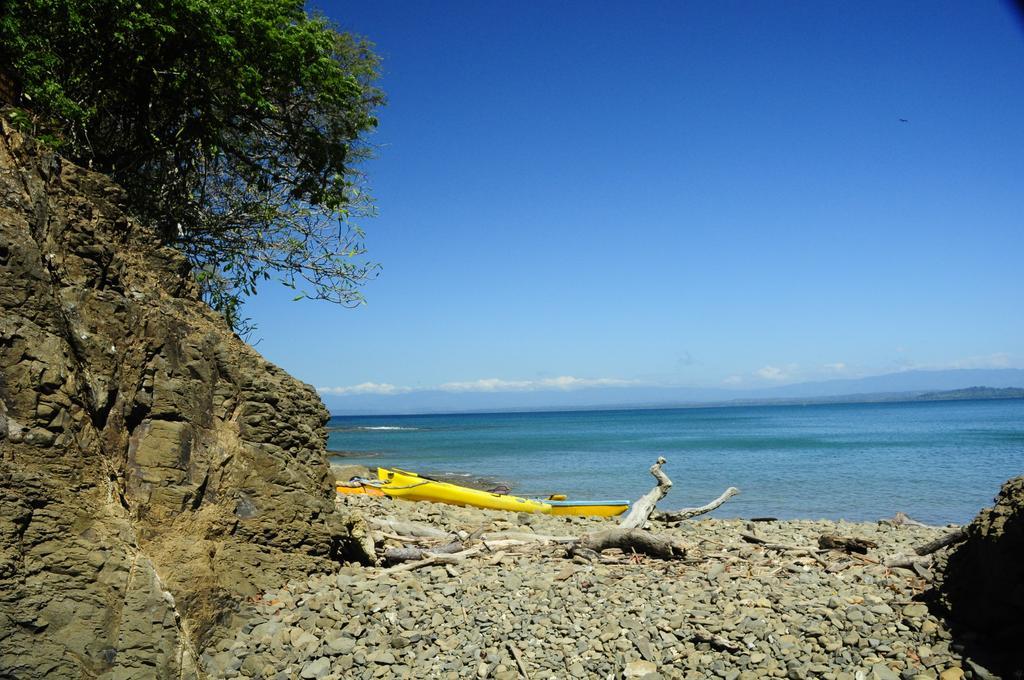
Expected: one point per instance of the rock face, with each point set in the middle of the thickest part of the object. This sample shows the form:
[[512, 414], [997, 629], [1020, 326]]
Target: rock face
[[155, 471], [983, 584]]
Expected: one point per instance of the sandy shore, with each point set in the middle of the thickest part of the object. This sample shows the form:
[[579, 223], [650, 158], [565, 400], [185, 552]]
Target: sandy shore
[[731, 610]]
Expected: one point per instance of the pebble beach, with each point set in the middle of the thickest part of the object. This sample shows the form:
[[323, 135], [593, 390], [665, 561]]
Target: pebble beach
[[732, 609]]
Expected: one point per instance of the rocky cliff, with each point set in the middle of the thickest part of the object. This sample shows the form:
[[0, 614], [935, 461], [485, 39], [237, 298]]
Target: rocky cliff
[[982, 586], [155, 471]]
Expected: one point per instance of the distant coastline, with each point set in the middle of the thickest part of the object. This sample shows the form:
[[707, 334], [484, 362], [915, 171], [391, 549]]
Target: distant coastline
[[964, 394], [978, 393], [973, 393]]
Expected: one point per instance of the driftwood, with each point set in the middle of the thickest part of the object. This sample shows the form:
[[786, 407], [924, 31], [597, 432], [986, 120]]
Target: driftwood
[[640, 511], [394, 555], [846, 544], [805, 554], [519, 660], [943, 541], [751, 538], [628, 537], [901, 519], [688, 513], [922, 559], [350, 484], [717, 641], [525, 537], [407, 528], [404, 539], [839, 566], [453, 558], [628, 540], [908, 561]]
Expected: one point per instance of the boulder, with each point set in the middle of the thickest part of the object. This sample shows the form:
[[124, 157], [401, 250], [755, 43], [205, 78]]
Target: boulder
[[982, 584]]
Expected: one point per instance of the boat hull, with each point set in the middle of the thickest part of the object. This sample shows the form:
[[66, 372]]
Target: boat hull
[[410, 486], [588, 508], [361, 489]]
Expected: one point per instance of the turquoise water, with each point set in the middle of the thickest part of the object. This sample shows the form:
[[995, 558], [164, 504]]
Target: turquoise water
[[937, 461]]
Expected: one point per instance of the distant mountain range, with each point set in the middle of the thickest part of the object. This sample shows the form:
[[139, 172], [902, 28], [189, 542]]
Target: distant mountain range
[[999, 383]]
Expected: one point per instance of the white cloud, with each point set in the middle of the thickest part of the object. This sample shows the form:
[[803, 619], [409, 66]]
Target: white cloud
[[994, 360], [772, 373], [565, 382], [365, 388], [486, 385], [733, 380], [837, 367]]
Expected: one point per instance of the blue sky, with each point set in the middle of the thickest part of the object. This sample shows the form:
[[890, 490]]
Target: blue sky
[[577, 194]]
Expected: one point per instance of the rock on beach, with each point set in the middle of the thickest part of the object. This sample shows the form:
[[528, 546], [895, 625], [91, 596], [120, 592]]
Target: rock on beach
[[731, 610]]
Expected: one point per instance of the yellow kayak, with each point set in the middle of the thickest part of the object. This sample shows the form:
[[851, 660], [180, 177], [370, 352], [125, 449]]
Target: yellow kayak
[[588, 508], [358, 489], [412, 487]]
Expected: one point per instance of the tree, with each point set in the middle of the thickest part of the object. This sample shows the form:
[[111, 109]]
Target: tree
[[236, 126]]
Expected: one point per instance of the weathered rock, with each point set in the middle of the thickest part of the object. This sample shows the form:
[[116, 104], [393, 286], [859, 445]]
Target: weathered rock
[[639, 669], [155, 471], [316, 669], [982, 584]]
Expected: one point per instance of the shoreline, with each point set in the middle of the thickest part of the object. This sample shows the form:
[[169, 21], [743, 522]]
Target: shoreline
[[730, 610], [344, 471]]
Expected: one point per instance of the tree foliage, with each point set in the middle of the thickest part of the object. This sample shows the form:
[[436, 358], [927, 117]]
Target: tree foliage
[[237, 127]]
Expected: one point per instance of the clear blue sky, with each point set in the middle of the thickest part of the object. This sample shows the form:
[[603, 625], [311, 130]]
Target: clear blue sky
[[700, 194]]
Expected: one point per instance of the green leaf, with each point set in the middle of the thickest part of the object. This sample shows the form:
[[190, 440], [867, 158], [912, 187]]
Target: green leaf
[[244, 133]]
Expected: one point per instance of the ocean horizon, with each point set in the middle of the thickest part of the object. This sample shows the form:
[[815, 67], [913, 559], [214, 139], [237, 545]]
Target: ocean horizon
[[939, 462]]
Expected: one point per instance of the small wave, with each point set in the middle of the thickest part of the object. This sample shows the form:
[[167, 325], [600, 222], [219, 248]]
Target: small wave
[[373, 428]]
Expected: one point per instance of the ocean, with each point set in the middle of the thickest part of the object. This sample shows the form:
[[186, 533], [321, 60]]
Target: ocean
[[939, 462]]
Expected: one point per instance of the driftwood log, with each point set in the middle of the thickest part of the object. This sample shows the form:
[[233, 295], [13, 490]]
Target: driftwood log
[[846, 544], [922, 559], [525, 538], [439, 558], [640, 511], [519, 660], [406, 554], [407, 528], [781, 547], [630, 536], [717, 641], [901, 519], [628, 540], [943, 541], [912, 562]]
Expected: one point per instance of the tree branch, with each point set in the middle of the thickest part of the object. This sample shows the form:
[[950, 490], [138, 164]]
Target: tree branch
[[688, 513]]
